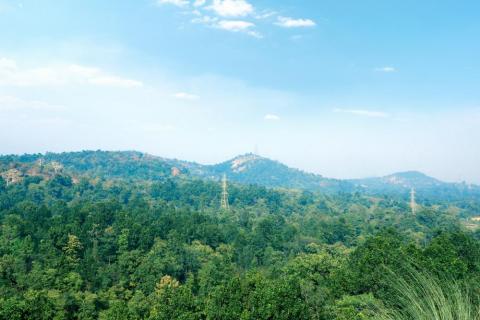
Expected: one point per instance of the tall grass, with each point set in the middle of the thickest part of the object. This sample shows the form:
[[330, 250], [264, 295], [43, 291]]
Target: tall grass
[[421, 296]]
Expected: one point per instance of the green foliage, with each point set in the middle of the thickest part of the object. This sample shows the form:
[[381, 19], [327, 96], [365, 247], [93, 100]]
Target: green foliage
[[360, 307], [72, 250], [454, 254], [96, 239]]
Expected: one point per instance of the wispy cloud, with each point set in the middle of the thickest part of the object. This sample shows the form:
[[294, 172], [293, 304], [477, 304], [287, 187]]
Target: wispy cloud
[[186, 96], [204, 19], [265, 14], [238, 26], [199, 3], [288, 22], [387, 69], [232, 8], [271, 117], [112, 81], [11, 103], [235, 25], [235, 15], [54, 75], [178, 3], [362, 112], [6, 64]]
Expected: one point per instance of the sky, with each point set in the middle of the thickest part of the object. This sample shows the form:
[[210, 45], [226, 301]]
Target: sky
[[342, 88]]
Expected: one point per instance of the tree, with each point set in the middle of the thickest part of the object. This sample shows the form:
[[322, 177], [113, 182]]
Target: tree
[[173, 301], [361, 307], [72, 250], [3, 184]]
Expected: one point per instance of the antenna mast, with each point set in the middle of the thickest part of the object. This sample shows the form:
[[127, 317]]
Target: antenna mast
[[224, 202], [413, 204]]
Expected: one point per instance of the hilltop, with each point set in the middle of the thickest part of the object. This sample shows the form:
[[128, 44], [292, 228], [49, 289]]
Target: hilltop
[[254, 169], [426, 186]]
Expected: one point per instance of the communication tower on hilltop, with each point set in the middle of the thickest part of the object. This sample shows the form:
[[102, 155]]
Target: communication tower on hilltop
[[413, 204], [224, 201]]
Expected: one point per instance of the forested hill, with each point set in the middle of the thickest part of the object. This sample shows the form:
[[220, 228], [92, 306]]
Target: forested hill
[[427, 188], [244, 169], [253, 169], [98, 235], [101, 164]]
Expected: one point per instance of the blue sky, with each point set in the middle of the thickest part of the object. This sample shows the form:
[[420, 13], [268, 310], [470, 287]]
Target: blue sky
[[344, 88]]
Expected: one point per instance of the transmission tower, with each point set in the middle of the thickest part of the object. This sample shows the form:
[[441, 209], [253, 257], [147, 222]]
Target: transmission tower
[[413, 204], [57, 167], [224, 202]]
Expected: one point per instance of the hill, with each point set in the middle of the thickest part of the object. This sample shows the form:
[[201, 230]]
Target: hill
[[100, 164], [427, 187], [124, 235], [254, 169], [244, 169]]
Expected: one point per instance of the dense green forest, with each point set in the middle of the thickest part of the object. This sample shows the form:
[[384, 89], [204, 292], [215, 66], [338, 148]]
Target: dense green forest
[[244, 169], [110, 239]]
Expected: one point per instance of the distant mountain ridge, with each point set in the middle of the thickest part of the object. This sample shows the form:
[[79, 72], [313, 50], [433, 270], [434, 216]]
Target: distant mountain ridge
[[407, 179], [426, 187], [254, 169], [244, 169]]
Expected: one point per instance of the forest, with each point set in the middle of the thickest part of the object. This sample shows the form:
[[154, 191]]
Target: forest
[[105, 240]]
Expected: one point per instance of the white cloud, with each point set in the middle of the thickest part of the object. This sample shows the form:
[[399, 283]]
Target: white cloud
[[205, 20], [55, 75], [178, 3], [386, 69], [7, 64], [361, 112], [229, 25], [231, 15], [235, 25], [11, 103], [265, 15], [287, 22], [186, 96], [83, 70], [199, 3], [271, 117], [238, 26], [112, 81], [221, 10], [232, 8]]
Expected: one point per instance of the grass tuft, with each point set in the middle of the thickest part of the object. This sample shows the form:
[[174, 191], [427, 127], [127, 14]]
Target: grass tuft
[[421, 296]]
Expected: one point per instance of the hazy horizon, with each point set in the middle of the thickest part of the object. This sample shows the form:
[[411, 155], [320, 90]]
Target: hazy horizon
[[339, 88], [240, 155]]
